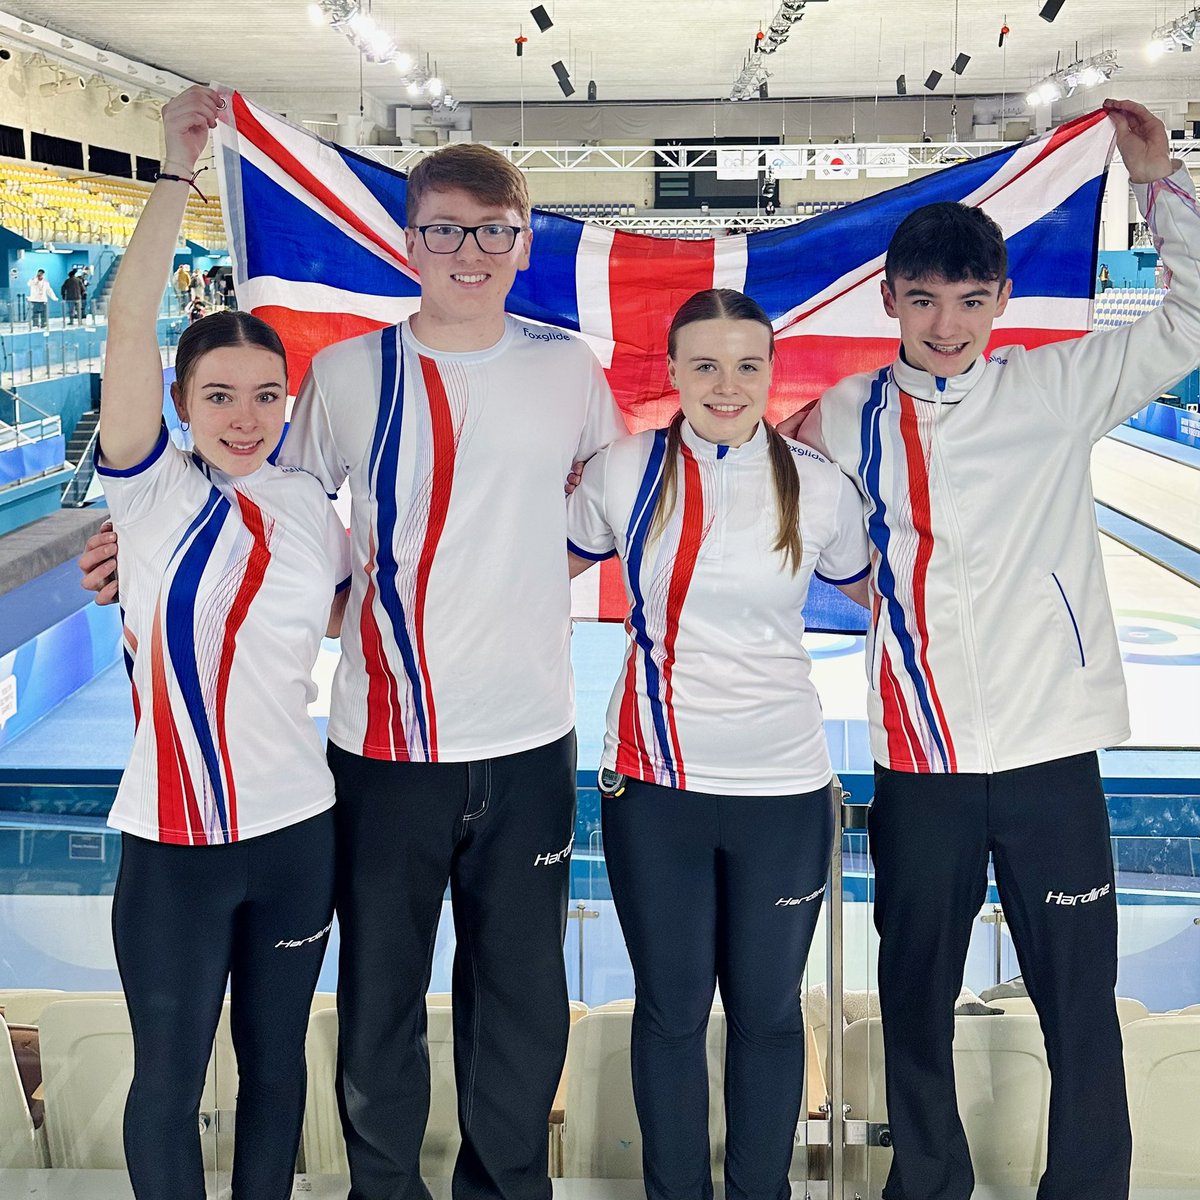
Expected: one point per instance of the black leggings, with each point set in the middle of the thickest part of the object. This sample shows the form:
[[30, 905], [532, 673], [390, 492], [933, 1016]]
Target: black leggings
[[717, 889], [187, 919]]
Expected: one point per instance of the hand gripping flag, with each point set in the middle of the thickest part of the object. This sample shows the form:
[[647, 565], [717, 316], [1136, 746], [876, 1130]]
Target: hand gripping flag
[[316, 234]]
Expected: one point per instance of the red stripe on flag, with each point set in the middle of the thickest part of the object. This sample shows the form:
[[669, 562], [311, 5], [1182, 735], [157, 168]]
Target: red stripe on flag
[[249, 127], [642, 308], [304, 333]]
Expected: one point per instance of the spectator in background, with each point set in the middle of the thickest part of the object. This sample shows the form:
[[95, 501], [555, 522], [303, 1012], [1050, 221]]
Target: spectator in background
[[40, 292], [183, 283], [1105, 278], [72, 293], [196, 310]]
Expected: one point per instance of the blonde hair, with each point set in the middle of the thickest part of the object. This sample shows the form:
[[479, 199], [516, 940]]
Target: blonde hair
[[727, 304]]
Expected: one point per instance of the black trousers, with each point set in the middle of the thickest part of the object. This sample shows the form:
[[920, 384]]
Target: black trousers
[[187, 919], [500, 831], [1046, 828], [717, 889]]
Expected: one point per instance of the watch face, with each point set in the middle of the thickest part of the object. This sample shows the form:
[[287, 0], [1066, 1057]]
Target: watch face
[[610, 782]]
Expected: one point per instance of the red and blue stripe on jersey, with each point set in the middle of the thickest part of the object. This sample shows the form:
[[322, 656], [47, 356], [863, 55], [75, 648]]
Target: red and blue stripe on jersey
[[402, 720], [901, 530], [196, 649], [658, 590]]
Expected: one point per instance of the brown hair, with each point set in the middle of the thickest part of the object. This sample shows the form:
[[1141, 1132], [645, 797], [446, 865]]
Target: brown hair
[[479, 171], [727, 304], [230, 327]]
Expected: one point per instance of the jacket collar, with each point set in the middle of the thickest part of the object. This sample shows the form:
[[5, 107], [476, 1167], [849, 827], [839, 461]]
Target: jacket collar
[[755, 448], [923, 386]]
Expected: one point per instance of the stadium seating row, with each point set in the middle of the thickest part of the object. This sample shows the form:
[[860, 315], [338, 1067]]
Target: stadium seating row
[[1003, 1092], [1123, 306], [43, 205]]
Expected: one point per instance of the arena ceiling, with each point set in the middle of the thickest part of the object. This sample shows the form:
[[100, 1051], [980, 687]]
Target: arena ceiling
[[633, 49]]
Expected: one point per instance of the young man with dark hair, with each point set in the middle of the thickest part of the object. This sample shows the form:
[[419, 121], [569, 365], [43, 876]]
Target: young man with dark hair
[[995, 673], [451, 729]]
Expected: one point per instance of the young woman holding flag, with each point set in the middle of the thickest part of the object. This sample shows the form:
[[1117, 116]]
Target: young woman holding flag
[[230, 570]]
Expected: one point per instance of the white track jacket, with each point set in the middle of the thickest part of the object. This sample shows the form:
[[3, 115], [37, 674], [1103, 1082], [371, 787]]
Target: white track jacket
[[993, 644]]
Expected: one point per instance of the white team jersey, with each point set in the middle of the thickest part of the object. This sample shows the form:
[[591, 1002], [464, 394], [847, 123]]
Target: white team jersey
[[226, 586], [993, 645], [716, 694], [457, 637]]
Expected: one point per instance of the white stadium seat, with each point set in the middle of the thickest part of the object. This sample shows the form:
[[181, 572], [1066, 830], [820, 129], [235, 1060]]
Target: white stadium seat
[[1162, 1066], [1003, 1086], [21, 1145]]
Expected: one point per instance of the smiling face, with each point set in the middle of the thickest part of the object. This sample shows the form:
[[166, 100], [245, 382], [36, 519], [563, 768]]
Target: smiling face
[[722, 368], [235, 398], [944, 327], [463, 294]]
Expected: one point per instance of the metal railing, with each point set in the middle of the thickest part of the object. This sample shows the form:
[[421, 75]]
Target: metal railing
[[75, 494]]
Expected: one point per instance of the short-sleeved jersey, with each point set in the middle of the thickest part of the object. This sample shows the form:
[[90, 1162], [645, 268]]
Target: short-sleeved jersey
[[716, 692], [456, 644], [226, 587]]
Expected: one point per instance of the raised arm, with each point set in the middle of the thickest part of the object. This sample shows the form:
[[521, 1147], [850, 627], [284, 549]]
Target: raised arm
[[131, 398]]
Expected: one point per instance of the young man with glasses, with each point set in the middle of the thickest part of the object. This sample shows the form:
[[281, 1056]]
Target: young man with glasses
[[451, 730]]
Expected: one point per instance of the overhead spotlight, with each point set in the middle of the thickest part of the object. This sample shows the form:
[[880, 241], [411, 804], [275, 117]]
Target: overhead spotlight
[[960, 64], [1050, 9], [316, 14], [403, 62], [5, 54], [414, 89], [1086, 73], [117, 101], [1179, 34], [435, 87], [935, 77], [901, 86], [541, 18]]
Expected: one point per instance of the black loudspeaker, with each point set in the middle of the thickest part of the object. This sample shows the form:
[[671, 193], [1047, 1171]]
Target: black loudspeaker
[[559, 68], [1177, 135], [763, 94], [591, 89], [1050, 9], [935, 77], [1196, 129], [901, 86], [960, 64], [567, 89], [541, 17]]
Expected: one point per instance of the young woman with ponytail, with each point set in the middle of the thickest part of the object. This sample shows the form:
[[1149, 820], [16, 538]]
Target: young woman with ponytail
[[716, 778]]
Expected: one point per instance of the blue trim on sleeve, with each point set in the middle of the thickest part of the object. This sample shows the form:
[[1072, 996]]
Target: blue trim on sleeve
[[144, 465], [341, 587], [582, 553], [842, 582]]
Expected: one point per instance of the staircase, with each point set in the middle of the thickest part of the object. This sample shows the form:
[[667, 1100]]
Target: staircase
[[80, 451]]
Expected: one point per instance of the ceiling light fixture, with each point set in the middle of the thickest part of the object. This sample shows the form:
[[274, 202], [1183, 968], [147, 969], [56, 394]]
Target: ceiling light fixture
[[1179, 34], [1086, 73], [754, 74], [374, 43]]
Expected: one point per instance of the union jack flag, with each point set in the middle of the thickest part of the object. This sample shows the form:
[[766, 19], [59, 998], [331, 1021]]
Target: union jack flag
[[317, 243]]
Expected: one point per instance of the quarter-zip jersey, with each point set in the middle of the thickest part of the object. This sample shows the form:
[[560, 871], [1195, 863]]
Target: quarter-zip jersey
[[992, 643], [715, 694]]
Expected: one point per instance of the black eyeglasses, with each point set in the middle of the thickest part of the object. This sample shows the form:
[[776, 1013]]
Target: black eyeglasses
[[447, 239]]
